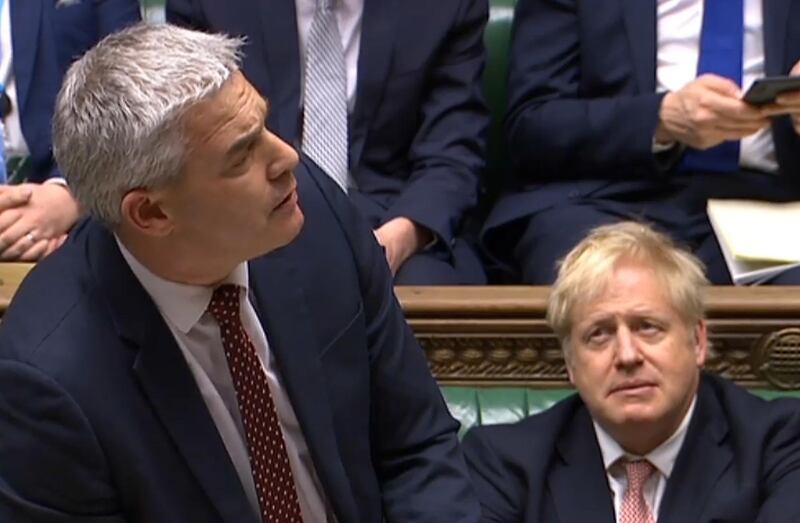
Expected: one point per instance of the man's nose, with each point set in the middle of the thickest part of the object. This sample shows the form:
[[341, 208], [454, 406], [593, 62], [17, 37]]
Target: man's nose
[[283, 157], [627, 348]]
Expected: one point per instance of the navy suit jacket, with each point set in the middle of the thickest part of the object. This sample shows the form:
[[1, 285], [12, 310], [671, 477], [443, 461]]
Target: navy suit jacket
[[45, 40], [739, 463], [417, 130], [101, 419], [583, 108]]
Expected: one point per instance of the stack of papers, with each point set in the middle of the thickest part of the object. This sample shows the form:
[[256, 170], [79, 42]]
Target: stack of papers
[[758, 239]]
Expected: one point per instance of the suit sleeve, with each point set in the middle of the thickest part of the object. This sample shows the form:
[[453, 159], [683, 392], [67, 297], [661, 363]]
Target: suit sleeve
[[552, 126], [781, 474], [52, 469], [491, 479], [447, 152], [416, 452]]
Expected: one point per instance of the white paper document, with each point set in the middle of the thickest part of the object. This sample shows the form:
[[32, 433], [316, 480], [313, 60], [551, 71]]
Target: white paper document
[[758, 239]]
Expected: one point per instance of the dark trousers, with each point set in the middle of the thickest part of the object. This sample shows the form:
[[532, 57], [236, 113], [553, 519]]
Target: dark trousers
[[676, 206], [457, 264]]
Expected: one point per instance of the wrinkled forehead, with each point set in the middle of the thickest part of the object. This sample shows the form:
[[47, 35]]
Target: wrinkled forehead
[[629, 285]]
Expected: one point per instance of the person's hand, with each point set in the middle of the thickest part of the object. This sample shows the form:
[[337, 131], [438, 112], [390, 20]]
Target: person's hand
[[707, 112], [34, 219], [401, 238], [787, 103]]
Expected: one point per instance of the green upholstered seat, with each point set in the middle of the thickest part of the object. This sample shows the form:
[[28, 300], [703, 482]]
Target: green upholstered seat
[[474, 406], [153, 10], [497, 38]]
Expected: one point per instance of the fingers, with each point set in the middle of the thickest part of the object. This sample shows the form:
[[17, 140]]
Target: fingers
[[732, 130], [719, 84], [36, 251], [9, 235], [26, 244], [14, 196]]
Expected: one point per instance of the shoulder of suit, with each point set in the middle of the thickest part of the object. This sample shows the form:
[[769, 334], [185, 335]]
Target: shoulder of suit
[[529, 433]]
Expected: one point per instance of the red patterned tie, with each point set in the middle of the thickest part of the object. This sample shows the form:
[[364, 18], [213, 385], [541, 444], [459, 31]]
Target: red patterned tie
[[634, 508], [269, 462]]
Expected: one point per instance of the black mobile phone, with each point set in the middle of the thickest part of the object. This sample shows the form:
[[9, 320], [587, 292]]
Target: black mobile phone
[[765, 90]]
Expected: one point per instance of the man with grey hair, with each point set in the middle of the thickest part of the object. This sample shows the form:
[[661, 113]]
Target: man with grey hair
[[202, 349], [648, 437]]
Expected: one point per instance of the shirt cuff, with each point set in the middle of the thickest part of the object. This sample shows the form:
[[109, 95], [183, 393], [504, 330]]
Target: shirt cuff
[[662, 147], [57, 181]]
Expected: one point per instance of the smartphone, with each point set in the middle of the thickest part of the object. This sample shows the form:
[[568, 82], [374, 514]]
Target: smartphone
[[765, 90]]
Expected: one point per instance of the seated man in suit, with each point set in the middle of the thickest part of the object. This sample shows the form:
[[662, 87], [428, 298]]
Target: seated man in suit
[[38, 40], [386, 98], [648, 437], [630, 110], [201, 349]]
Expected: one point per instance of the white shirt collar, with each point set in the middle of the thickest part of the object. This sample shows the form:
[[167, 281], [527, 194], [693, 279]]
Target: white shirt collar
[[662, 457], [183, 305]]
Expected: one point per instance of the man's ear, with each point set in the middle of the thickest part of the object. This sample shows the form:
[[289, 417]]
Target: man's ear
[[566, 351], [700, 343], [142, 211]]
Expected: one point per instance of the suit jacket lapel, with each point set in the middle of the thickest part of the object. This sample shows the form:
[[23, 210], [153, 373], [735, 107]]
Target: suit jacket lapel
[[168, 382], [700, 464], [375, 56], [578, 480], [278, 30], [280, 302], [776, 25], [26, 43], [640, 22]]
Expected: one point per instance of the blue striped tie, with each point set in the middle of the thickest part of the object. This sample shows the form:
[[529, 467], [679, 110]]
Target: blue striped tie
[[325, 96], [721, 43]]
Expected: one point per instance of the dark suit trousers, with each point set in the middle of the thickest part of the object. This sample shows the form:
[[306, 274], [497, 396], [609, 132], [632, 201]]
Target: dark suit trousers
[[676, 206], [439, 264]]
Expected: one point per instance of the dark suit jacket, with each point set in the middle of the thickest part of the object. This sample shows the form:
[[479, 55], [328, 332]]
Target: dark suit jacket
[[101, 419], [45, 40], [583, 108], [417, 130], [740, 463]]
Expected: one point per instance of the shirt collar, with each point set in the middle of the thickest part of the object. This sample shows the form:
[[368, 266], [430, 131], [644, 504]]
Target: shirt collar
[[181, 304], [662, 457]]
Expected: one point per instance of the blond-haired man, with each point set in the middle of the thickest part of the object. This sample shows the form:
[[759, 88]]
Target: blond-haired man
[[649, 437]]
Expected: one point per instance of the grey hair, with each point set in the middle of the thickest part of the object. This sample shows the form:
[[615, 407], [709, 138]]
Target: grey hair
[[587, 269], [117, 123]]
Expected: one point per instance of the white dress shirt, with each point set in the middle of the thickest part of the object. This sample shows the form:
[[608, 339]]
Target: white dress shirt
[[662, 458], [348, 16], [13, 140], [197, 334], [679, 26]]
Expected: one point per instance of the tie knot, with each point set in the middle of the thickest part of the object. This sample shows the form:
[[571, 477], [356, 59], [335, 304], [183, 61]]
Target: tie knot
[[326, 5], [638, 473], [224, 304]]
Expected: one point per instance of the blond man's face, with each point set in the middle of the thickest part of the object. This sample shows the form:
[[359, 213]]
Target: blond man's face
[[631, 355]]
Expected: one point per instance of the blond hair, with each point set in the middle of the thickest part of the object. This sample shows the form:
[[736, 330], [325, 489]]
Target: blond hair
[[586, 271]]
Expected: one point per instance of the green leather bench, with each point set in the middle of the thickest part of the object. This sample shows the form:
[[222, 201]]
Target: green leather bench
[[474, 406]]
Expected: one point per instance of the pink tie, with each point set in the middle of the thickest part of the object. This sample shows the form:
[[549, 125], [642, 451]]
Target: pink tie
[[269, 462], [634, 508]]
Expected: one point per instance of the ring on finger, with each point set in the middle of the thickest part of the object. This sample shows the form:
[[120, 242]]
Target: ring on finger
[[31, 237]]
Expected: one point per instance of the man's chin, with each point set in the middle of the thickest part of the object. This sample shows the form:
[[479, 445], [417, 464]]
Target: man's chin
[[288, 231]]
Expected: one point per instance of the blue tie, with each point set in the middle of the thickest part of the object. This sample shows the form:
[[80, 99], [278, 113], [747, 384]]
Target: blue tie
[[721, 42]]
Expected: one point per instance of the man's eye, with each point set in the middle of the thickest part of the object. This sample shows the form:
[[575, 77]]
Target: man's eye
[[597, 335], [649, 328], [245, 157]]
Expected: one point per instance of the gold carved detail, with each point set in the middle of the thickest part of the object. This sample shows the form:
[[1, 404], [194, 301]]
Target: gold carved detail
[[777, 358]]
